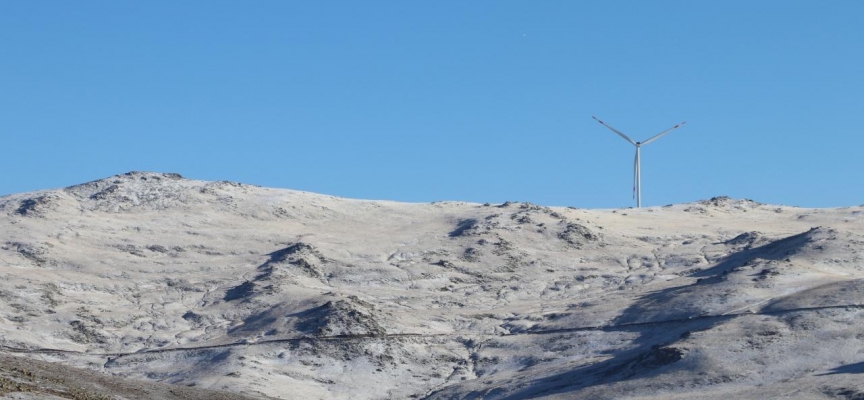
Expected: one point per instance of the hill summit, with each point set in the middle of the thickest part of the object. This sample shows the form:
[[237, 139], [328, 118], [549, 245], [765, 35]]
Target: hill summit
[[228, 290]]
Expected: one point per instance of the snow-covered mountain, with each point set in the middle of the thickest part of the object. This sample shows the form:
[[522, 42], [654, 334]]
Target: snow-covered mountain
[[284, 294]]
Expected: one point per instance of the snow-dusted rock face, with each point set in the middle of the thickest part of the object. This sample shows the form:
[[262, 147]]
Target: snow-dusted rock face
[[285, 294]]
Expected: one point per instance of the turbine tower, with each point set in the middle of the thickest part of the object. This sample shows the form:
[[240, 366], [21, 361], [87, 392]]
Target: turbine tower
[[637, 172]]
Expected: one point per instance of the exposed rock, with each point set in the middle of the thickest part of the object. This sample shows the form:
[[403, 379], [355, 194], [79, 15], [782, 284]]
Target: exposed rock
[[463, 227], [577, 235]]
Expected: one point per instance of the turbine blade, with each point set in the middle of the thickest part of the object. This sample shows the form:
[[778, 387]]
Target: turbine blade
[[657, 136], [616, 131], [635, 172]]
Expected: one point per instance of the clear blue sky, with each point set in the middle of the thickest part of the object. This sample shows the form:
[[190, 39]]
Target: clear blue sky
[[441, 100]]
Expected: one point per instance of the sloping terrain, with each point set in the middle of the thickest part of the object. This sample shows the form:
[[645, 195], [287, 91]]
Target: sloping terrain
[[284, 294], [28, 378]]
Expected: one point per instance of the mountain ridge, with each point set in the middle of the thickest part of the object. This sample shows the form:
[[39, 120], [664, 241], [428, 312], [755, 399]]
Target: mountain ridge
[[281, 293]]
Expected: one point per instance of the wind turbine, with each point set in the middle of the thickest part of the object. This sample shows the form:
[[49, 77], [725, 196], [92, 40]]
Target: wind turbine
[[637, 172]]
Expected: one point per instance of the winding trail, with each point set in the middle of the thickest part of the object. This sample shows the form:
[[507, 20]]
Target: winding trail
[[604, 328]]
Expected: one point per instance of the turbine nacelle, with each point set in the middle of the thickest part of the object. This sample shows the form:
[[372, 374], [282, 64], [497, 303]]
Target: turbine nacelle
[[637, 172]]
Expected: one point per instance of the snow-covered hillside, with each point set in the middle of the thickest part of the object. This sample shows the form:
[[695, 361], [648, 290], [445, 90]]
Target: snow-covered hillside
[[286, 294]]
